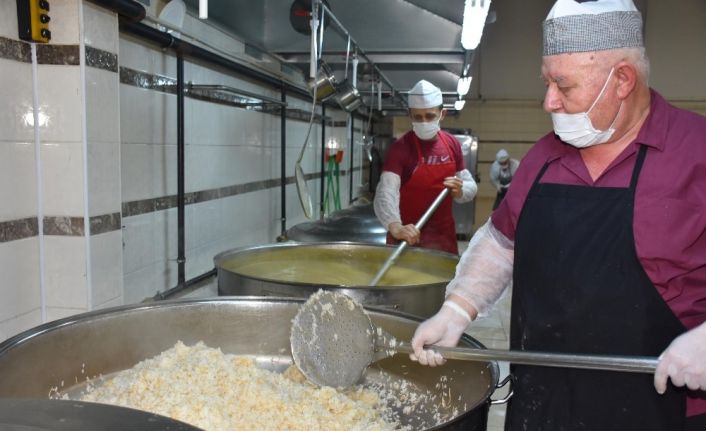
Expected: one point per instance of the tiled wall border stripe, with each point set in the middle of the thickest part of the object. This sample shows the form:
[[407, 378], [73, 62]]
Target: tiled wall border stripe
[[100, 59], [145, 206], [165, 84], [63, 226], [105, 223], [18, 229], [14, 230], [58, 54], [11, 49], [73, 226], [19, 50]]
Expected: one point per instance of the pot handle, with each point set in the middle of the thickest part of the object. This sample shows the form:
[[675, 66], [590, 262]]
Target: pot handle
[[508, 379]]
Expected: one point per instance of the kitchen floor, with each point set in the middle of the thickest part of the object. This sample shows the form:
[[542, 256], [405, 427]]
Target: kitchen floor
[[492, 330]]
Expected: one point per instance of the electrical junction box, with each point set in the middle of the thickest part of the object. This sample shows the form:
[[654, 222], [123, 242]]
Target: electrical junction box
[[33, 20]]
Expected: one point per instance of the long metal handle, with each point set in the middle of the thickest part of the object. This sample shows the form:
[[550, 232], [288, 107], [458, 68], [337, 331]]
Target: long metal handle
[[633, 364], [420, 224]]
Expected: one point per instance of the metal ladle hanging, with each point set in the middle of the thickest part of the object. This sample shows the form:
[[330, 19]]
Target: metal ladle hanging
[[299, 176], [333, 341]]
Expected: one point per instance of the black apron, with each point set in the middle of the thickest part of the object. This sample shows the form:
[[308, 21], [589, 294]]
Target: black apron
[[580, 288]]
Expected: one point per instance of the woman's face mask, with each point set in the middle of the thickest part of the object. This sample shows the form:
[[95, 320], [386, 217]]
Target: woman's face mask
[[577, 129]]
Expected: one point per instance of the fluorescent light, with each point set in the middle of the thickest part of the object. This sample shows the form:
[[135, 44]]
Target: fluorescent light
[[459, 104], [464, 84], [475, 13], [203, 9]]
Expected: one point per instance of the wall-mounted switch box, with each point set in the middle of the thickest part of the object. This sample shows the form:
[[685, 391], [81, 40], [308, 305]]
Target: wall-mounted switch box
[[33, 20]]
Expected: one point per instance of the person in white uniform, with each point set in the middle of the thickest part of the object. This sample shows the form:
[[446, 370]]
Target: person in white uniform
[[501, 172]]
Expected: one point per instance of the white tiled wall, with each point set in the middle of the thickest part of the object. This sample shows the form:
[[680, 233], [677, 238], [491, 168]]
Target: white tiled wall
[[20, 294], [102, 87], [65, 272], [68, 95], [16, 94], [65, 18], [224, 146], [18, 187], [62, 178], [19, 288], [100, 27], [106, 269], [61, 101]]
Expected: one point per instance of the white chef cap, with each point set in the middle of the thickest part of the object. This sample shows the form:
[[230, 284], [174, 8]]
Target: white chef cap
[[591, 25], [502, 156], [424, 95]]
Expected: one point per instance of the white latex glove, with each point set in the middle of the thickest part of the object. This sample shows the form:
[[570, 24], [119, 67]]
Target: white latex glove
[[444, 329], [684, 361]]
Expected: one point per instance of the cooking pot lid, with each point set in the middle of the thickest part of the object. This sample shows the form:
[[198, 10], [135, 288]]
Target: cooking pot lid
[[65, 415]]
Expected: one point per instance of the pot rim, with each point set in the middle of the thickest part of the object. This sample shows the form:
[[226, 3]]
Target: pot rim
[[219, 259]]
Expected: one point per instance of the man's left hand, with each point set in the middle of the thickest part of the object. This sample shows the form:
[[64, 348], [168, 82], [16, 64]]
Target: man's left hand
[[683, 361], [455, 186]]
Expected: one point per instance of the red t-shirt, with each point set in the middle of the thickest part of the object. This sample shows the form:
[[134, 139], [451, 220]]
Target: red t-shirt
[[402, 157]]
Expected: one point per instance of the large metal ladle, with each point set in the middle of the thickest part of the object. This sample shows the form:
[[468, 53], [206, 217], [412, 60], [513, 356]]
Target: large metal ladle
[[400, 248], [333, 341]]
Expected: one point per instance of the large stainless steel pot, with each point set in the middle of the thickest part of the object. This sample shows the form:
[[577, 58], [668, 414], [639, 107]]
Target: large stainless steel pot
[[62, 352], [278, 261], [356, 224]]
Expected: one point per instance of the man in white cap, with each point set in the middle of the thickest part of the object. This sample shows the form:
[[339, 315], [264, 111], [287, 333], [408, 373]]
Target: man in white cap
[[602, 235], [501, 172], [417, 168]]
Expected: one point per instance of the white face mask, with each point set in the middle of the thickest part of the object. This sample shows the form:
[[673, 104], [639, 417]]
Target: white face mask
[[577, 129], [426, 130]]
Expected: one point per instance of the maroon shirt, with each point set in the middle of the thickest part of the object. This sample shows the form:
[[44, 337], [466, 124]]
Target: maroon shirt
[[402, 157], [669, 222]]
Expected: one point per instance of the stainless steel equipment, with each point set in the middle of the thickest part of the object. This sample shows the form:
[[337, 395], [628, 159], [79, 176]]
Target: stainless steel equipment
[[465, 214], [416, 284], [325, 84], [108, 341], [347, 97], [355, 224]]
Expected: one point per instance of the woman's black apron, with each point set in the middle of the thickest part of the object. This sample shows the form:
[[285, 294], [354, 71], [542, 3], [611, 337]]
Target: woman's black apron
[[580, 288]]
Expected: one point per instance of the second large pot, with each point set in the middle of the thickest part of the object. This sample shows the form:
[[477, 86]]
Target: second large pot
[[416, 284]]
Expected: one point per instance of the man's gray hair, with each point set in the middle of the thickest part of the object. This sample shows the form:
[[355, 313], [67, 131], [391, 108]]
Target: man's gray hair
[[635, 56]]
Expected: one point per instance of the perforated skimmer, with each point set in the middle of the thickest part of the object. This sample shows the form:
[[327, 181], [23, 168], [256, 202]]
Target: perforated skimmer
[[333, 341]]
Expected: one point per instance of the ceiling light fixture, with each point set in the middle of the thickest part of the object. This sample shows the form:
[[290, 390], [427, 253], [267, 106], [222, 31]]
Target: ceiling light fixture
[[475, 13], [459, 104], [464, 84], [203, 9]]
